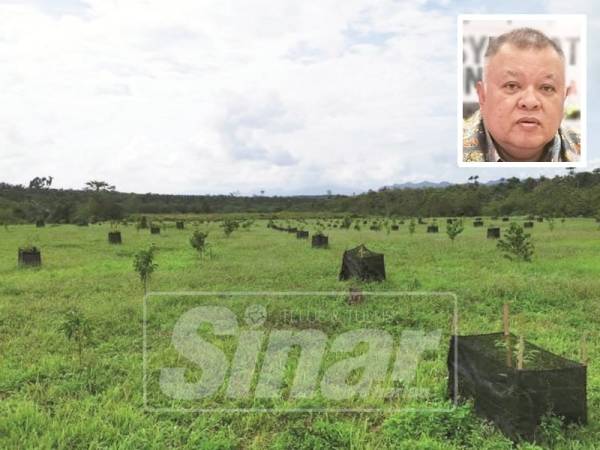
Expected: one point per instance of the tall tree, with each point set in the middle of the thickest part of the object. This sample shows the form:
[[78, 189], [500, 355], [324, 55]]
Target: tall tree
[[97, 186], [41, 183]]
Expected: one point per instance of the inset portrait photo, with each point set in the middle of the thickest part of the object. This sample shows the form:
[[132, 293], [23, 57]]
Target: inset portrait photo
[[522, 90]]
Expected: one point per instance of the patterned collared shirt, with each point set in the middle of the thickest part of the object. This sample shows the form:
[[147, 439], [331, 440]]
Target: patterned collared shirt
[[478, 145]]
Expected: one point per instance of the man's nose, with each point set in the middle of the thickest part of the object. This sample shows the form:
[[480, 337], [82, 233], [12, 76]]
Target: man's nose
[[529, 99]]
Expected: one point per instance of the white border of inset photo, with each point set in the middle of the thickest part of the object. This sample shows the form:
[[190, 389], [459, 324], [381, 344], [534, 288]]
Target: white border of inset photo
[[580, 20]]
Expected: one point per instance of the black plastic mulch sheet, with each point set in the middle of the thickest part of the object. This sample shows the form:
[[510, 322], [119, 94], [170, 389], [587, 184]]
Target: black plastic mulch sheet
[[515, 400], [360, 262]]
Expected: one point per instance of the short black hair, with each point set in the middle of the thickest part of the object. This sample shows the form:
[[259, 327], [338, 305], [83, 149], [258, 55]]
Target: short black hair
[[522, 38]]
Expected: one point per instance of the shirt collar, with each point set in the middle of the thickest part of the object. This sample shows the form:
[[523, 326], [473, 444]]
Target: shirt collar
[[551, 152]]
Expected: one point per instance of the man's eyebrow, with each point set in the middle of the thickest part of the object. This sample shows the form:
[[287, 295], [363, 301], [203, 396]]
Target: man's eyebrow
[[514, 73], [511, 73]]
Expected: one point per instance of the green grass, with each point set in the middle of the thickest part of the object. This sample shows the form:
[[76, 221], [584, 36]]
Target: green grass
[[47, 400]]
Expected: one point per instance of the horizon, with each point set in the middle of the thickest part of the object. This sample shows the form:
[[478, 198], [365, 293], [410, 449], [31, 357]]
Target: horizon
[[397, 186]]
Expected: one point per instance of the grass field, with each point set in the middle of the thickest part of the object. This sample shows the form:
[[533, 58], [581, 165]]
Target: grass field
[[51, 400]]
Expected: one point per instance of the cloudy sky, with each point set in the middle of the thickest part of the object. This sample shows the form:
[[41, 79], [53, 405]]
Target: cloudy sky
[[281, 96]]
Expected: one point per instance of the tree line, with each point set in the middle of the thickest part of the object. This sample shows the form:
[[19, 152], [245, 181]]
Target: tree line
[[573, 194]]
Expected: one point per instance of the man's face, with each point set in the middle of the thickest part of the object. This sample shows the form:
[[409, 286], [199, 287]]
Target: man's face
[[522, 99]]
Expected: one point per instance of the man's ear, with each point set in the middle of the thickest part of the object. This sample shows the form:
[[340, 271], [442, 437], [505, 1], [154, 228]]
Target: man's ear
[[480, 92], [568, 91]]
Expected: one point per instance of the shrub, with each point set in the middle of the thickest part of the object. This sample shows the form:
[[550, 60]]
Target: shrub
[[144, 265], [77, 327], [229, 226], [198, 241], [28, 245], [346, 222], [454, 228], [411, 226], [516, 243]]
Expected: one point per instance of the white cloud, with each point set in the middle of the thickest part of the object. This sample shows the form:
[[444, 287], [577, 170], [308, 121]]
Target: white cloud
[[211, 96]]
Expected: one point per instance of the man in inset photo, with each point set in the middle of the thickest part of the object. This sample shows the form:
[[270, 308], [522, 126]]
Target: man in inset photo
[[521, 103]]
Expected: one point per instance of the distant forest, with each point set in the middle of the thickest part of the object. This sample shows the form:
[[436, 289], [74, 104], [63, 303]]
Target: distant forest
[[574, 194]]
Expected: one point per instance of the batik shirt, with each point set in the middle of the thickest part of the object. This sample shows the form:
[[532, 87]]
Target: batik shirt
[[478, 145]]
